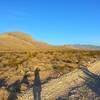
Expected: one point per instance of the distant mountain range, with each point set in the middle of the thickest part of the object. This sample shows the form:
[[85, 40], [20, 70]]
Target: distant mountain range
[[88, 46]]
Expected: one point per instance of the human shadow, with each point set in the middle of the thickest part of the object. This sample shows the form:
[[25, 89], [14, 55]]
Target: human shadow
[[25, 79], [37, 85], [92, 80], [14, 89], [15, 86]]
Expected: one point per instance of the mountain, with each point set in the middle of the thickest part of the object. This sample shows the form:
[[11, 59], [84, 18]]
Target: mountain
[[18, 41], [15, 41], [93, 47]]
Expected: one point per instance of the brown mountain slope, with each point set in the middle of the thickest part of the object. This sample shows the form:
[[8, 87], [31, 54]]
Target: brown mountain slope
[[12, 41], [18, 41], [28, 39]]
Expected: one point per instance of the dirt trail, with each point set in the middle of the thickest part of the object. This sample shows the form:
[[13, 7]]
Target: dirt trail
[[58, 87]]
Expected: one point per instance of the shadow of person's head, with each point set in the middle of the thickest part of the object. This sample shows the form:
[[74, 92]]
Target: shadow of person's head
[[37, 70]]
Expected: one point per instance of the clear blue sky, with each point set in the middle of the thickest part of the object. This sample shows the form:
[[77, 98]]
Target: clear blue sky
[[54, 21]]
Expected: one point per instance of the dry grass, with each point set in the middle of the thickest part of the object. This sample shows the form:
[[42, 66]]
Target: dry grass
[[20, 54]]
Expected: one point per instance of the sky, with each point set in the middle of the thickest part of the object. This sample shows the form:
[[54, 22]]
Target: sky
[[56, 22]]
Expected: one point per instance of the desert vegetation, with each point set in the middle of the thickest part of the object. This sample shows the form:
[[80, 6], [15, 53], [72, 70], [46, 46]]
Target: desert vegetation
[[22, 55], [53, 64]]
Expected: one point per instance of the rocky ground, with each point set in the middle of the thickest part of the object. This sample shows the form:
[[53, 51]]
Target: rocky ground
[[81, 84]]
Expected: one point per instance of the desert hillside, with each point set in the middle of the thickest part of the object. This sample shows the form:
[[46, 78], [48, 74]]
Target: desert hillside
[[20, 55], [18, 41]]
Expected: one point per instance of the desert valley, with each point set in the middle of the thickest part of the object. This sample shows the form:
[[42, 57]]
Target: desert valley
[[59, 66]]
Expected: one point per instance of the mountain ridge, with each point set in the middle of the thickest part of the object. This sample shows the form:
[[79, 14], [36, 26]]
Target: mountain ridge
[[20, 41], [88, 46]]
